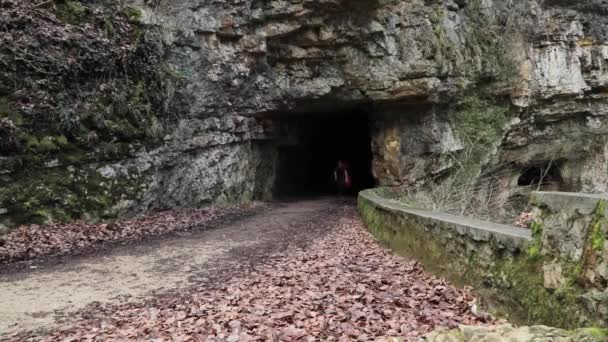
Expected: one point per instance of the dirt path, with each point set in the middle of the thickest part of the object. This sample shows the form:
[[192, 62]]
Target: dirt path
[[299, 271], [42, 298]]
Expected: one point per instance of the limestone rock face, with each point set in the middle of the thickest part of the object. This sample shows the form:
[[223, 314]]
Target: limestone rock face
[[543, 61], [524, 81]]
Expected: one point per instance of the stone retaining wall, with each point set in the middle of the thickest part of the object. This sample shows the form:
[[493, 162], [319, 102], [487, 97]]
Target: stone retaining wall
[[504, 264]]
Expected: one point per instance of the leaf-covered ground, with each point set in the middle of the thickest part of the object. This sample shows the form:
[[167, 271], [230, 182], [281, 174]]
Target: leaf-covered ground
[[343, 286], [31, 242]]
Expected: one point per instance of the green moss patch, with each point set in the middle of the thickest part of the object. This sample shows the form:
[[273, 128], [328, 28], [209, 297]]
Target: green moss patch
[[597, 237], [65, 194], [597, 333], [480, 121], [133, 13], [534, 251], [521, 281], [72, 12], [105, 83]]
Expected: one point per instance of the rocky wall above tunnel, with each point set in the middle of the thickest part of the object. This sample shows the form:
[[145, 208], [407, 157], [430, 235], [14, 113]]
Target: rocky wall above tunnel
[[525, 80], [537, 66]]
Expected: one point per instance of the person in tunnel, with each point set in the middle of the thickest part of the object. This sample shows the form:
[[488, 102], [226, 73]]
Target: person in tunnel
[[342, 177]]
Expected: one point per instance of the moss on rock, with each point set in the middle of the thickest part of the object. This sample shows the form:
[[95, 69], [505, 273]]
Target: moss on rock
[[64, 194], [73, 12], [67, 111], [521, 281], [93, 95], [597, 235], [480, 121], [133, 13], [534, 251], [595, 332]]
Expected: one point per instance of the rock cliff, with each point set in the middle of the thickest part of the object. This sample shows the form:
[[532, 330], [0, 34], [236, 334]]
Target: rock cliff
[[109, 108]]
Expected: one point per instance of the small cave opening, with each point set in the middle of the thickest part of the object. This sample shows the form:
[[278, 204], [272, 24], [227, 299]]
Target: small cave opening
[[546, 176], [311, 147]]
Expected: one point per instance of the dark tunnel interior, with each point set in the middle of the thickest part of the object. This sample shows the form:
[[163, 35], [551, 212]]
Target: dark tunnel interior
[[307, 167], [544, 175]]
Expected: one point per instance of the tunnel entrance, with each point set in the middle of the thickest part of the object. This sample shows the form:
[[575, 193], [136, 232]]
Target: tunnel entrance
[[314, 143], [546, 176]]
